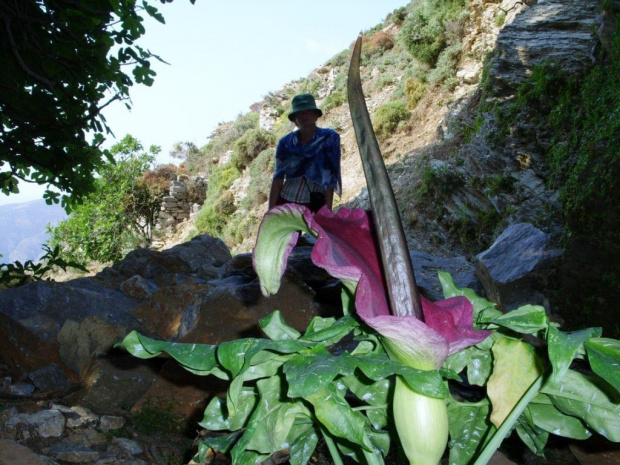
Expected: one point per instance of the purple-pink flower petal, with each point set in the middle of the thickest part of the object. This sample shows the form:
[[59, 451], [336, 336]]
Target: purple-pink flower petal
[[346, 249]]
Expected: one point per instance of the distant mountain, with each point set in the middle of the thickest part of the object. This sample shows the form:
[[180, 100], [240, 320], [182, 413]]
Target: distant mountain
[[23, 229]]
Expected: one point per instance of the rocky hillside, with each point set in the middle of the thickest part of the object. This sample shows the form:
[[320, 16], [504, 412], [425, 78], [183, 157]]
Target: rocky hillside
[[476, 147]]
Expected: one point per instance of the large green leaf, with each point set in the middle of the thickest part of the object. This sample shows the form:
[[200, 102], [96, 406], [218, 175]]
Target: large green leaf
[[469, 429], [303, 439], [546, 416], [276, 329], [218, 418], [379, 366], [528, 319], [329, 331], [197, 358], [515, 369], [336, 415], [604, 357], [222, 443], [375, 394], [532, 436], [477, 361], [322, 366], [564, 346], [273, 419], [590, 399]]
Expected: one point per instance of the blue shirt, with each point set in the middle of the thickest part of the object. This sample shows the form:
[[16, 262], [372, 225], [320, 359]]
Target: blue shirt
[[318, 160]]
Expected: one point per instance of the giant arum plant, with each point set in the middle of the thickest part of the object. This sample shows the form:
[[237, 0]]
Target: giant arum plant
[[382, 378]]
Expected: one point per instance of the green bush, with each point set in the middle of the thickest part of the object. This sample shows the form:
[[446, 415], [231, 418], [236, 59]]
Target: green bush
[[249, 145], [212, 217], [221, 178], [261, 171], [431, 26], [209, 221], [388, 116], [225, 136], [438, 182], [445, 68], [414, 91]]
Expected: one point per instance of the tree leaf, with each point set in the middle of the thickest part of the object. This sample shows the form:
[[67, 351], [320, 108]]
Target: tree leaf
[[303, 439], [222, 443], [533, 437], [216, 415]]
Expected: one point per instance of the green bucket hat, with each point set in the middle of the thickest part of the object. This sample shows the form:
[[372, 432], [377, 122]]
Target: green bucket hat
[[303, 102]]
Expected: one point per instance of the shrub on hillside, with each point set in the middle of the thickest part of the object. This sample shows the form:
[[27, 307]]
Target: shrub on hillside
[[222, 139], [377, 44], [388, 116], [414, 91], [431, 26], [445, 68], [209, 221], [261, 170], [249, 145]]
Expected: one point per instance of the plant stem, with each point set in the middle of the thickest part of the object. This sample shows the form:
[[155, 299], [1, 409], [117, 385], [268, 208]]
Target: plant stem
[[508, 423], [331, 445], [372, 458]]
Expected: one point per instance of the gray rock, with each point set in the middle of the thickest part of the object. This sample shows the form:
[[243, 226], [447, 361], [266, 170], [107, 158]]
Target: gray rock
[[48, 423], [129, 446], [516, 267], [110, 423], [556, 31], [110, 384], [21, 389], [73, 453], [426, 266], [49, 378], [13, 453]]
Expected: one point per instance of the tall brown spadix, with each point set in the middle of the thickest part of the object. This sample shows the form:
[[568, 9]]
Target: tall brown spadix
[[398, 270]]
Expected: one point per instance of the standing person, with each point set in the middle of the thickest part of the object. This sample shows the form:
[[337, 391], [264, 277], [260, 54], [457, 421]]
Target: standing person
[[307, 169]]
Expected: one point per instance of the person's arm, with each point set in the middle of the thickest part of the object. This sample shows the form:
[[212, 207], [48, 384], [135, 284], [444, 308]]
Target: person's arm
[[274, 192]]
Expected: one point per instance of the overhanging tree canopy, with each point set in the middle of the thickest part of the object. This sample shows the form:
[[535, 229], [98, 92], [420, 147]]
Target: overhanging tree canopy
[[63, 61]]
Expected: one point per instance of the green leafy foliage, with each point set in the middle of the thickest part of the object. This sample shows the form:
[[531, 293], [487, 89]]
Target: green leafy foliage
[[63, 62], [272, 403], [414, 91], [388, 116], [249, 145], [119, 214], [17, 274], [213, 216], [430, 26]]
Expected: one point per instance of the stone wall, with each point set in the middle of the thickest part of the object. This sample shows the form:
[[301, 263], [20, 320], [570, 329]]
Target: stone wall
[[186, 196]]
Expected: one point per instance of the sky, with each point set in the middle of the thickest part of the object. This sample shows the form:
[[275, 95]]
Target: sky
[[223, 56]]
